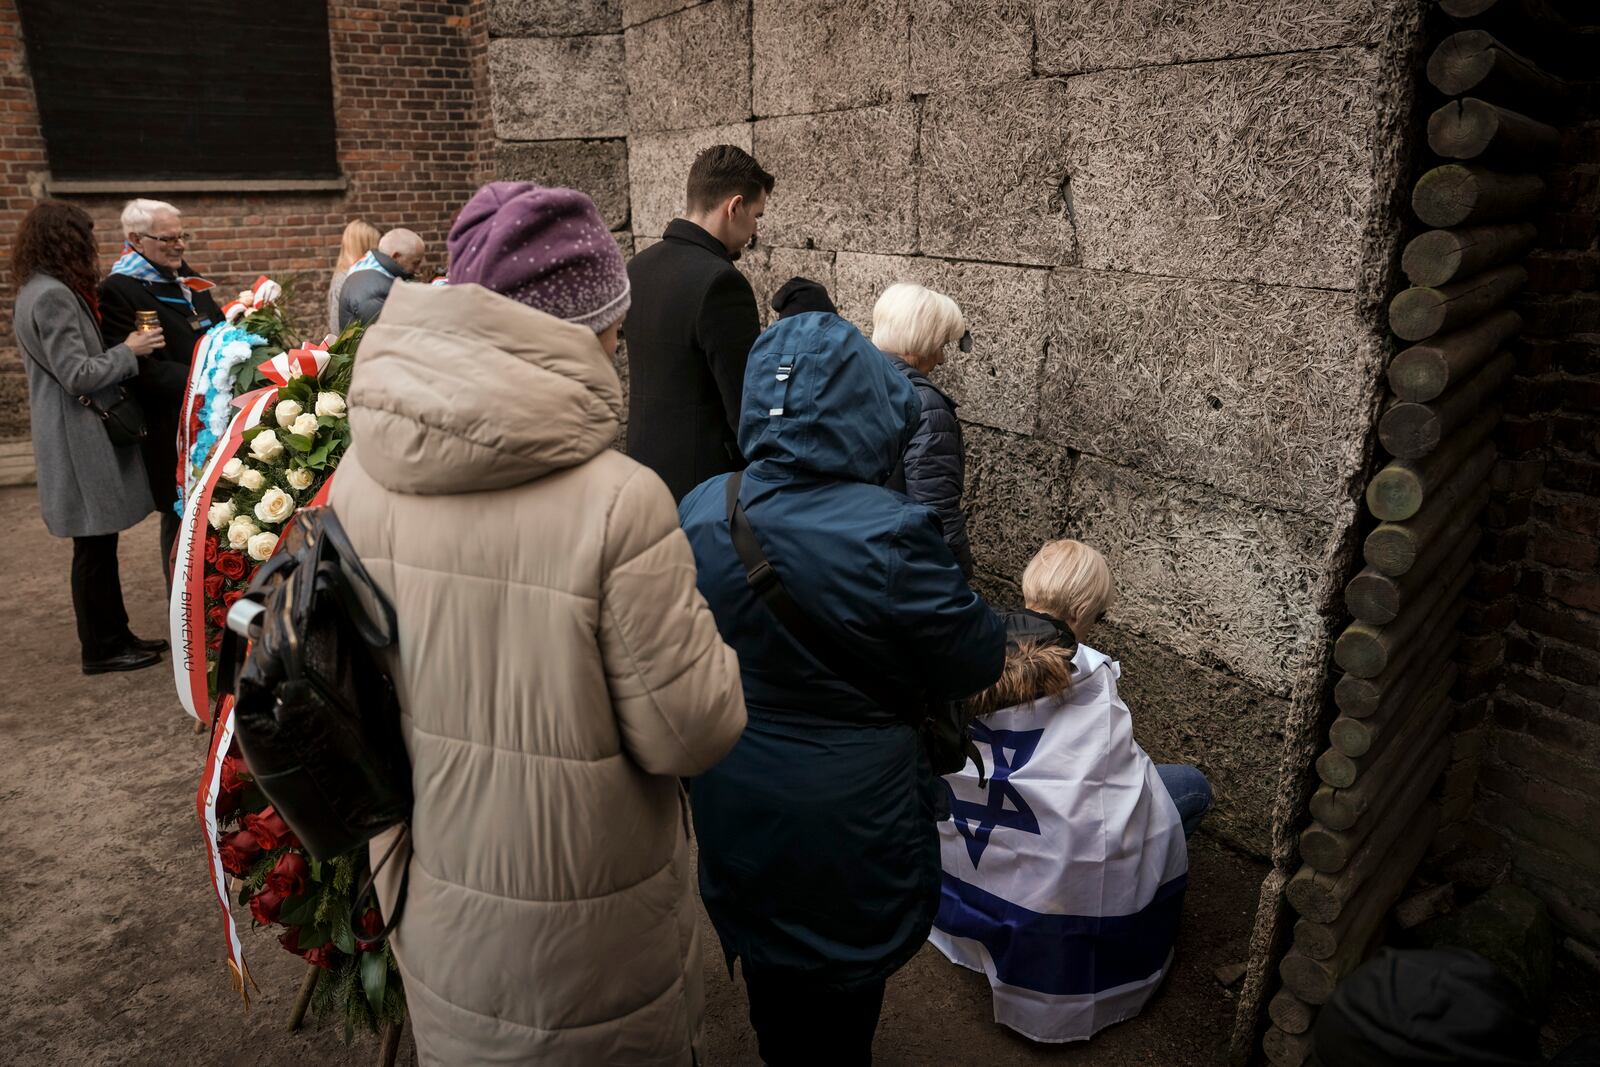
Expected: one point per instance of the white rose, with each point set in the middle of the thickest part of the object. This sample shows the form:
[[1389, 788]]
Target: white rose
[[252, 479], [240, 531], [261, 545], [331, 405], [286, 412], [300, 479], [246, 296], [306, 425], [220, 514], [266, 446], [232, 469], [274, 506]]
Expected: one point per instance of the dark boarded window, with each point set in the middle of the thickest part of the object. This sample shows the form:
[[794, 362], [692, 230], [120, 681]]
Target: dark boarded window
[[182, 90]]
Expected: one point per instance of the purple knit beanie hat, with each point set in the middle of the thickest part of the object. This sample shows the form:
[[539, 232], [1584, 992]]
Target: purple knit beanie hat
[[544, 247]]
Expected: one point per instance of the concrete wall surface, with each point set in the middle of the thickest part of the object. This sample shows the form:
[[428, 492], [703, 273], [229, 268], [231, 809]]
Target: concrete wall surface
[[1171, 236]]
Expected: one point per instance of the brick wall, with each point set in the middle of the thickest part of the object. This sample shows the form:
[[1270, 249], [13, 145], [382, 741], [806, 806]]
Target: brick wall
[[1538, 798], [408, 77]]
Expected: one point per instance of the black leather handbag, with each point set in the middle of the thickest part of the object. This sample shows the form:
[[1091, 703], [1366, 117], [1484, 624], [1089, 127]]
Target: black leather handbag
[[124, 420], [315, 709]]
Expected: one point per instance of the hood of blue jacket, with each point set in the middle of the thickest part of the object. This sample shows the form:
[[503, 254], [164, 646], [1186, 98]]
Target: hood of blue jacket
[[820, 399]]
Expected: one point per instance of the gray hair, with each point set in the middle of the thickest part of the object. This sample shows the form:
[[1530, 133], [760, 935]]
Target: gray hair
[[138, 215]]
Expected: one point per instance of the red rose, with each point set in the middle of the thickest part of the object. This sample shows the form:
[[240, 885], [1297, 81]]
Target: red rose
[[214, 642], [234, 774], [370, 923], [227, 803], [264, 906], [211, 548], [231, 564], [290, 875], [239, 851], [213, 586], [270, 829], [367, 929], [319, 956], [231, 596]]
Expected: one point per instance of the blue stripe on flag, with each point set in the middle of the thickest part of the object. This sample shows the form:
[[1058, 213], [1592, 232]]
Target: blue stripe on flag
[[1064, 955]]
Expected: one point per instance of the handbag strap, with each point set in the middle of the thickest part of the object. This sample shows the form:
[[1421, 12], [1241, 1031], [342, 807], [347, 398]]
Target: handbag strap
[[764, 582]]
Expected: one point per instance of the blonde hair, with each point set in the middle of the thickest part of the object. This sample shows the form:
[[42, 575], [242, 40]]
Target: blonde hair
[[913, 320], [360, 237], [1069, 580]]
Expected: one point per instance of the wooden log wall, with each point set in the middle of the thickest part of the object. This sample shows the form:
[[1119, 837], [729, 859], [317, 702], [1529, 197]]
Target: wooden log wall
[[1409, 673]]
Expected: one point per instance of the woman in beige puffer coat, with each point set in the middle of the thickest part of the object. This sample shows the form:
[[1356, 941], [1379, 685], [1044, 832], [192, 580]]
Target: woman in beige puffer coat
[[557, 668]]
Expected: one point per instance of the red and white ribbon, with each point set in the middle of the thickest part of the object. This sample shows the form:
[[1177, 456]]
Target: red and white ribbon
[[186, 613], [284, 367], [206, 804]]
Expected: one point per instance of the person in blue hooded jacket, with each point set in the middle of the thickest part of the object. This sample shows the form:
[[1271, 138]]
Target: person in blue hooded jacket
[[819, 858]]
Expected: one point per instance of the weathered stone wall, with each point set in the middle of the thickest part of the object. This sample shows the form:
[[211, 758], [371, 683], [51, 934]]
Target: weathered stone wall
[[1170, 234]]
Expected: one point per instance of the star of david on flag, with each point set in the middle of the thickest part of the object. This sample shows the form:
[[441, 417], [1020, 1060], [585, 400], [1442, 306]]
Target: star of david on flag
[[975, 820]]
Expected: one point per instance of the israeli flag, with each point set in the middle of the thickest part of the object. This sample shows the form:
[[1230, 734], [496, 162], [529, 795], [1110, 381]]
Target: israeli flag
[[1064, 877]]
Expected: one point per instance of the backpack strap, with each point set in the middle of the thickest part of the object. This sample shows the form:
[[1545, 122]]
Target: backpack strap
[[764, 581]]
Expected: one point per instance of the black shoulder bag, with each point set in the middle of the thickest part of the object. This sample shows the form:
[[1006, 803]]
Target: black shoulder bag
[[124, 419], [942, 725]]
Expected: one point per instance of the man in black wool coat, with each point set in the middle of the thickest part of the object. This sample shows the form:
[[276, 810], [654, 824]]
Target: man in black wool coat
[[153, 276], [692, 323]]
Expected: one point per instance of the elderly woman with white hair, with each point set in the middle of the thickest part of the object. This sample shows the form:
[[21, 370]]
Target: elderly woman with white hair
[[915, 326], [152, 275]]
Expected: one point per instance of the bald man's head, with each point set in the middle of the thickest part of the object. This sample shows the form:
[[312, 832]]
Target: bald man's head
[[404, 247]]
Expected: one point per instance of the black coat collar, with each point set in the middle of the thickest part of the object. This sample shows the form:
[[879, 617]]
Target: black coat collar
[[921, 380], [684, 230]]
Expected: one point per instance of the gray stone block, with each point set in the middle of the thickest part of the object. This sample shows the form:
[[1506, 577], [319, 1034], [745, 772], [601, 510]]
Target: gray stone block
[[637, 11], [658, 171], [1232, 584], [768, 268], [624, 243], [690, 69], [554, 18], [826, 55], [599, 168], [957, 44], [1265, 392], [551, 88], [1187, 713], [993, 164], [1249, 170], [997, 383], [844, 180], [1017, 494], [1080, 35]]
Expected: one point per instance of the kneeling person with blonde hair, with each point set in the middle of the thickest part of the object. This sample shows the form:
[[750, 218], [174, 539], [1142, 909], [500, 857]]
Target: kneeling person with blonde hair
[[1064, 874], [915, 327]]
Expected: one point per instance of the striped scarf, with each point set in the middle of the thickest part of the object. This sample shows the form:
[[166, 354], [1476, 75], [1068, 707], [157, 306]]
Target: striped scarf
[[135, 265], [369, 262]]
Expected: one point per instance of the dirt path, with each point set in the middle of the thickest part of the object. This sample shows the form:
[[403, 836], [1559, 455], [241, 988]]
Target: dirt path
[[110, 941]]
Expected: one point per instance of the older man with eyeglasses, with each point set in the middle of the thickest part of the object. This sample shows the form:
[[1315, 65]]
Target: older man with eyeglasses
[[152, 275]]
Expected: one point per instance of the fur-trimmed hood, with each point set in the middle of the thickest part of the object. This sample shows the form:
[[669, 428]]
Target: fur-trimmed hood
[[1039, 653]]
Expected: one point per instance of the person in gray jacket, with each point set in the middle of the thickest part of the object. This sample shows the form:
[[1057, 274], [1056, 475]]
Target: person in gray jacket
[[89, 488], [398, 258]]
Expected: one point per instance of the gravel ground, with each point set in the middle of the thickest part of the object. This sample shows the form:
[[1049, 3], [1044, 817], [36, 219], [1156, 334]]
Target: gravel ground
[[112, 940]]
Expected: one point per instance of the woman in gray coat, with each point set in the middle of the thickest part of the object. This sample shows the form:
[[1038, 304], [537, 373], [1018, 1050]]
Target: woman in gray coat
[[89, 489]]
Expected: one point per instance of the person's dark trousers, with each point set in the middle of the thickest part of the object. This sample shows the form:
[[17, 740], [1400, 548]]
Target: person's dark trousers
[[797, 1023], [171, 521], [97, 597]]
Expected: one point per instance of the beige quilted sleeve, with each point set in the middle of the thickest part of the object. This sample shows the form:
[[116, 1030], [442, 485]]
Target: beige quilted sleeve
[[674, 684]]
